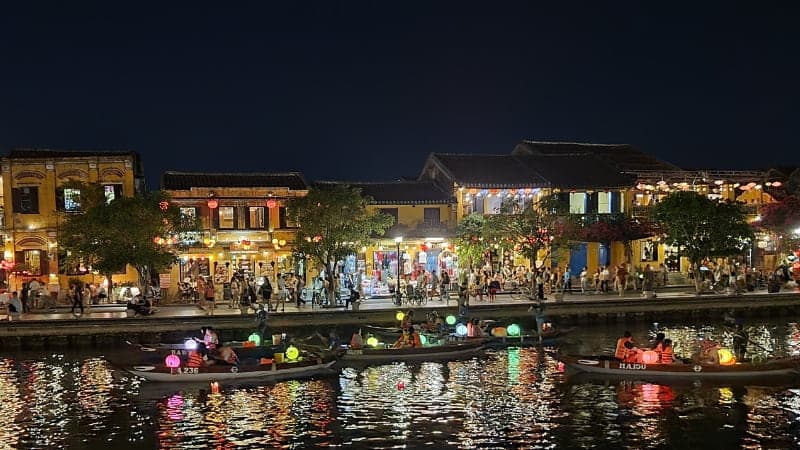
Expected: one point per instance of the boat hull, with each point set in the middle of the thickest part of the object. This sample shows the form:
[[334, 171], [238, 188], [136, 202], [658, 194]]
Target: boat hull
[[451, 351], [614, 368], [162, 373]]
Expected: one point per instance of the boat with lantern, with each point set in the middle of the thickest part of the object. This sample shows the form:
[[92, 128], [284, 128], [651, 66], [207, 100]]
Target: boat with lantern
[[608, 366], [444, 349]]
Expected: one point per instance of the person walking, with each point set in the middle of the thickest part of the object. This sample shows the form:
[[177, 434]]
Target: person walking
[[265, 290], [584, 277], [25, 298], [209, 294], [77, 297], [622, 279]]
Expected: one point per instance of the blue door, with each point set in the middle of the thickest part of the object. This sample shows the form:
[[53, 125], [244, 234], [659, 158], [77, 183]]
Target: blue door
[[604, 256], [577, 260]]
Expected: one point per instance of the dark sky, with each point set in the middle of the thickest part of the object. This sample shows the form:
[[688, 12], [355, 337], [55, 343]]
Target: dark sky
[[365, 90]]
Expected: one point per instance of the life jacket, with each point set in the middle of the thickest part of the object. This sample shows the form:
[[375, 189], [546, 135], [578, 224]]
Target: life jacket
[[415, 340], [632, 355], [666, 356], [621, 351], [470, 330], [356, 342], [195, 359]]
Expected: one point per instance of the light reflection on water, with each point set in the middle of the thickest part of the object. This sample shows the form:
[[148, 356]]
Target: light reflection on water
[[514, 398]]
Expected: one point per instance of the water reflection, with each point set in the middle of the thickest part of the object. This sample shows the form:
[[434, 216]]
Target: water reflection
[[514, 398]]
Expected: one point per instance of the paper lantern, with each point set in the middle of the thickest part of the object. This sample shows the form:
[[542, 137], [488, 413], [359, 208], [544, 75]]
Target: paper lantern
[[212, 203], [423, 339], [372, 341], [271, 203], [400, 385], [451, 320], [255, 338], [461, 330], [292, 353], [214, 387], [650, 357], [163, 204], [400, 315], [172, 361], [513, 330], [726, 357], [190, 344], [499, 332]]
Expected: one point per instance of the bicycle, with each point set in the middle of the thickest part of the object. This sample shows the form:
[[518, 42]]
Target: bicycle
[[521, 292]]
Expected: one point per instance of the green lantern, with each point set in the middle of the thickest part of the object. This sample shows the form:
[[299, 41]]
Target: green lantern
[[513, 330], [255, 338]]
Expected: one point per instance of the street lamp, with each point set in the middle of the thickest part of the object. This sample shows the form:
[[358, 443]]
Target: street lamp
[[397, 241]]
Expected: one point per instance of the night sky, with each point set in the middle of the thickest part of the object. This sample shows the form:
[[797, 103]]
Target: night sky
[[365, 90]]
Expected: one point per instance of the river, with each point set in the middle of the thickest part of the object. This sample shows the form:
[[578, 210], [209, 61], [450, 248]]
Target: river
[[514, 398]]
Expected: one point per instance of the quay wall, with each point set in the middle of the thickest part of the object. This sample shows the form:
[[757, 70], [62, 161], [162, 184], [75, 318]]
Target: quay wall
[[114, 332]]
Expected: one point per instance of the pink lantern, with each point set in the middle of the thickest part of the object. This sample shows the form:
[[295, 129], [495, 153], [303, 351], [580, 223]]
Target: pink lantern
[[172, 361], [271, 203], [650, 357], [212, 203]]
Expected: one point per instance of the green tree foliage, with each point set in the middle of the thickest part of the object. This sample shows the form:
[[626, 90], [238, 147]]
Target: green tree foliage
[[617, 227], [702, 228], [470, 242], [128, 230], [535, 229], [334, 223]]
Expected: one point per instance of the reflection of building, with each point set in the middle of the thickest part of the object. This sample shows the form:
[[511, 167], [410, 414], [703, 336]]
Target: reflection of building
[[35, 200], [243, 221], [425, 219]]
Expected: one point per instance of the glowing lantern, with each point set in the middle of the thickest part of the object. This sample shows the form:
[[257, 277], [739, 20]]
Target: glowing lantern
[[726, 357], [214, 387], [163, 204], [212, 203], [190, 344], [499, 331], [172, 361], [271, 203], [461, 330], [650, 357], [513, 330], [292, 353], [372, 341], [255, 338], [451, 320], [400, 315], [423, 339], [400, 385]]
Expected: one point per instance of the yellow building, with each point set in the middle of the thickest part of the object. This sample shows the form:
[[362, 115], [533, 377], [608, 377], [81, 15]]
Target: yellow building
[[425, 219], [35, 202], [243, 221]]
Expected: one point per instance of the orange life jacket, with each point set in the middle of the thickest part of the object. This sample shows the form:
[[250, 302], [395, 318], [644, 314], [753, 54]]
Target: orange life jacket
[[666, 356], [417, 342], [621, 351], [195, 359], [632, 355]]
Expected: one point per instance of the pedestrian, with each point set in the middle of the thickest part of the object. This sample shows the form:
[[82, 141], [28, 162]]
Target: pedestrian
[[77, 297], [209, 294], [584, 276], [298, 288], [14, 306], [445, 286], [266, 291], [622, 279], [540, 286], [25, 299]]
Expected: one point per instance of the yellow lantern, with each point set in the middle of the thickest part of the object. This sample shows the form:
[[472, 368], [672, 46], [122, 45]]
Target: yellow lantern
[[400, 315], [292, 353], [726, 357], [372, 341]]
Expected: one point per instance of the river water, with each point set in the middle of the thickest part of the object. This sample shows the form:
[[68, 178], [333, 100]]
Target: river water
[[514, 398]]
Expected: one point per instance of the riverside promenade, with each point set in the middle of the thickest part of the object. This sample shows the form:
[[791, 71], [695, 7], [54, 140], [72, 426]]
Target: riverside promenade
[[109, 325]]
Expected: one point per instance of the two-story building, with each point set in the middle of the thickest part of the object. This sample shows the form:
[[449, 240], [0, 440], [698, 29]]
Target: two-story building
[[36, 201], [243, 220]]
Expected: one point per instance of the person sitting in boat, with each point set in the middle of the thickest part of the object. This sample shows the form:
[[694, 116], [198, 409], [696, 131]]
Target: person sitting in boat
[[406, 340], [658, 343], [356, 341], [416, 341], [477, 328], [633, 354], [209, 338], [198, 357], [408, 320], [740, 341], [226, 355], [708, 353], [665, 355], [441, 326], [620, 352]]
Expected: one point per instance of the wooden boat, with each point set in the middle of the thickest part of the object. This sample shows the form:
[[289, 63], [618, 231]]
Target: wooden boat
[[224, 372], [608, 366], [447, 351]]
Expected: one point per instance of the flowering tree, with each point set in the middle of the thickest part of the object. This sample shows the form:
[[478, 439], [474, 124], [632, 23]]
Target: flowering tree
[[470, 239], [611, 227], [782, 218]]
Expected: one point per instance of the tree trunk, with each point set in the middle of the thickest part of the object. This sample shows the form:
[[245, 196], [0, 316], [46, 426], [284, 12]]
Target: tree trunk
[[110, 288], [330, 288], [698, 282]]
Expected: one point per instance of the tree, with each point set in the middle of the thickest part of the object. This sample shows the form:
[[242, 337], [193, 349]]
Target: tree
[[534, 229], [617, 227], [702, 228], [782, 218], [128, 230], [333, 223], [470, 243]]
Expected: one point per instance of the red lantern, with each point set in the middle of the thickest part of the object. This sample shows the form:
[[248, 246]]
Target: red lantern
[[271, 203], [212, 203], [423, 247], [163, 204], [172, 361], [650, 357]]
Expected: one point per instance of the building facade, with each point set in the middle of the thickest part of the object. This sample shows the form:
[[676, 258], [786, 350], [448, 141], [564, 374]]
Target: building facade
[[35, 201], [243, 221]]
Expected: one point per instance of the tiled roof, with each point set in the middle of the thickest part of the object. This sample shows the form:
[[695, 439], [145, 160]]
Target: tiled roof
[[577, 171], [400, 192], [488, 170], [624, 156], [188, 180], [51, 153]]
